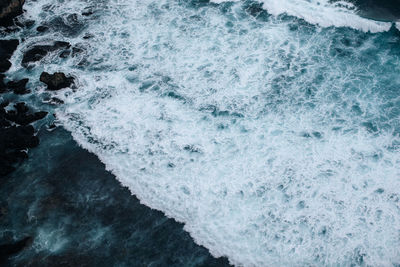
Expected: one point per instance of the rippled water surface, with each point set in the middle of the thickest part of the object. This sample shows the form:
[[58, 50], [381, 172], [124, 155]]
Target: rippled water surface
[[270, 129]]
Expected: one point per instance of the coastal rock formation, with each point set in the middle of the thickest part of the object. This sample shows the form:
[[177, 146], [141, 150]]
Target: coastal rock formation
[[38, 52], [21, 115], [19, 87], [9, 9], [56, 81], [16, 135], [7, 48]]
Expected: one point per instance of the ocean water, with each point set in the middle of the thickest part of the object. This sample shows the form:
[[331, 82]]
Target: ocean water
[[79, 215], [270, 129]]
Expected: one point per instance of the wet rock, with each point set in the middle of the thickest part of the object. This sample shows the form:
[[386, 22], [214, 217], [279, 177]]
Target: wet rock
[[88, 36], [15, 139], [25, 23], [56, 81], [56, 101], [2, 84], [87, 13], [21, 116], [18, 137], [24, 119], [5, 65], [19, 87], [7, 48], [9, 9], [38, 52], [42, 28], [65, 53], [77, 50], [7, 250]]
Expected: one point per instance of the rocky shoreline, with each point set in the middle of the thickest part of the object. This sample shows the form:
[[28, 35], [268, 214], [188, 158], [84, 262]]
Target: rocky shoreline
[[17, 134], [28, 187]]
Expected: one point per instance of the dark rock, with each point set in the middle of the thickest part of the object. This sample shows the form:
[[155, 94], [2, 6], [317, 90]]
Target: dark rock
[[18, 137], [9, 9], [7, 250], [25, 23], [56, 81], [65, 53], [3, 87], [19, 87], [38, 52], [88, 36], [56, 101], [76, 50], [42, 28], [21, 107], [87, 13], [5, 65], [7, 48], [21, 116]]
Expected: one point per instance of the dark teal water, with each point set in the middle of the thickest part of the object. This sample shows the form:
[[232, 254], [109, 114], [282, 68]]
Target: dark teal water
[[79, 215], [274, 138]]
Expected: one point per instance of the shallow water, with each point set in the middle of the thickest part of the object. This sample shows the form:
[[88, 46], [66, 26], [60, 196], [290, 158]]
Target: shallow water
[[270, 129]]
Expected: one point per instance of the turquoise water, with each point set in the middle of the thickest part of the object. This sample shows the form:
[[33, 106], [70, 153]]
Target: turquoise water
[[269, 129]]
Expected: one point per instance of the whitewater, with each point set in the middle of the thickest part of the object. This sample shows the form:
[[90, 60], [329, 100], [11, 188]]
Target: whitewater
[[270, 128]]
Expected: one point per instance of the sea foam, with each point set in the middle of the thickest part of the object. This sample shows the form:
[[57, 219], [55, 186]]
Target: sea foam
[[275, 142], [324, 13]]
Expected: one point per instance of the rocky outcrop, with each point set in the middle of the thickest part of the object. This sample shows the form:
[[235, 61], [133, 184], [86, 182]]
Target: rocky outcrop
[[9, 9], [56, 81], [7, 48], [38, 52], [21, 115], [19, 87]]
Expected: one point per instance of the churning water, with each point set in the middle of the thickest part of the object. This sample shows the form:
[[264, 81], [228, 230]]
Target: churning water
[[269, 128]]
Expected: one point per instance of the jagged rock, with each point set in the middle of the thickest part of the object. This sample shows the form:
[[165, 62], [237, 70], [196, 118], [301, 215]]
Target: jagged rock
[[65, 53], [9, 9], [2, 84], [19, 87], [18, 137], [7, 48], [56, 81], [5, 65], [25, 23], [14, 139], [42, 28], [25, 119], [87, 13], [21, 116], [38, 52]]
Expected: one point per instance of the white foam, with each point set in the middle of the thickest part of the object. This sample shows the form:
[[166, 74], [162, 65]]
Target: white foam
[[289, 173], [323, 13]]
